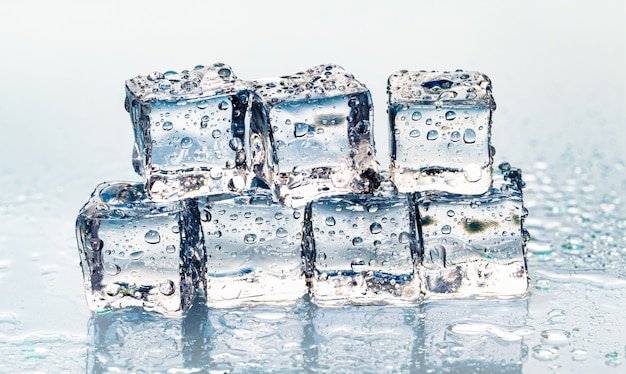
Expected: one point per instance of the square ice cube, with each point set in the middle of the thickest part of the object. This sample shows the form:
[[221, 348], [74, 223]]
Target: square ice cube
[[321, 124], [194, 132], [135, 252], [359, 249], [474, 246], [440, 125], [253, 250]]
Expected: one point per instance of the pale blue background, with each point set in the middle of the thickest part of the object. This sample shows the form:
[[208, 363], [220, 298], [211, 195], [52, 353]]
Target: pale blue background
[[558, 69]]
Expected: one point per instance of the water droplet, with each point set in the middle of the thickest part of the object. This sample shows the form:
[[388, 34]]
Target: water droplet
[[429, 121], [404, 237], [233, 217], [165, 85], [224, 73], [279, 215], [542, 285], [455, 136], [300, 129], [203, 104], [373, 208], [249, 239], [281, 232], [357, 264], [167, 125], [95, 244], [186, 142], [112, 289], [446, 229], [416, 116], [111, 268], [574, 243], [152, 237], [432, 135], [167, 288], [216, 172], [414, 133], [469, 136], [330, 221], [189, 85], [223, 105], [450, 115], [136, 255], [556, 336], [450, 213], [545, 352], [376, 228], [155, 76], [236, 144], [259, 220], [216, 134], [170, 249], [357, 241]]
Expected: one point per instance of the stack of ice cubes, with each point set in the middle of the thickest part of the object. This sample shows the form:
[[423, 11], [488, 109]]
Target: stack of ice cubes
[[263, 191]]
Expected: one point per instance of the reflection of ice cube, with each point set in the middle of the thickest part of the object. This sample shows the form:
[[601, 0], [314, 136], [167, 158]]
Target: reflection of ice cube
[[135, 252], [474, 245], [382, 339], [475, 335], [257, 340], [253, 250], [195, 133], [440, 131], [359, 249], [135, 341], [323, 139]]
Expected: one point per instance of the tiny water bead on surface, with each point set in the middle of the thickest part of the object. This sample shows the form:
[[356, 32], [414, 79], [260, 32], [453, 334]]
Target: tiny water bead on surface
[[124, 264], [451, 106]]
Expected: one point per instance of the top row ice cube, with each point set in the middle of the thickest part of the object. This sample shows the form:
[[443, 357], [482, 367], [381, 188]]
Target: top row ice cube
[[440, 131], [203, 132], [322, 132]]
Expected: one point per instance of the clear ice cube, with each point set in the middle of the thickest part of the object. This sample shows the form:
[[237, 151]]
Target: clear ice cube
[[195, 132], [135, 252], [321, 124], [253, 250], [440, 125], [474, 246], [360, 249]]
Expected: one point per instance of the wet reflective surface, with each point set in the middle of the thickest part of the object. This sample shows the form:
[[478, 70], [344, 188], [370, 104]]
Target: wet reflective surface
[[560, 118]]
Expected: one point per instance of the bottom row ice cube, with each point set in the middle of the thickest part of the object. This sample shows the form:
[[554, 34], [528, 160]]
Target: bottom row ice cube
[[253, 251], [358, 249], [474, 245], [349, 249], [135, 252]]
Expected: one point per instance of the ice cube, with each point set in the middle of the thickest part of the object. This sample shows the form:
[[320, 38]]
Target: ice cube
[[360, 249], [474, 246], [463, 335], [440, 131], [135, 252], [195, 132], [253, 250], [321, 123]]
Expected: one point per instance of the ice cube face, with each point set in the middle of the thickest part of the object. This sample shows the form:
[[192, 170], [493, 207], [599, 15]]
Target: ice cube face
[[135, 252], [474, 246], [322, 133], [360, 249], [195, 133], [253, 250], [440, 124]]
